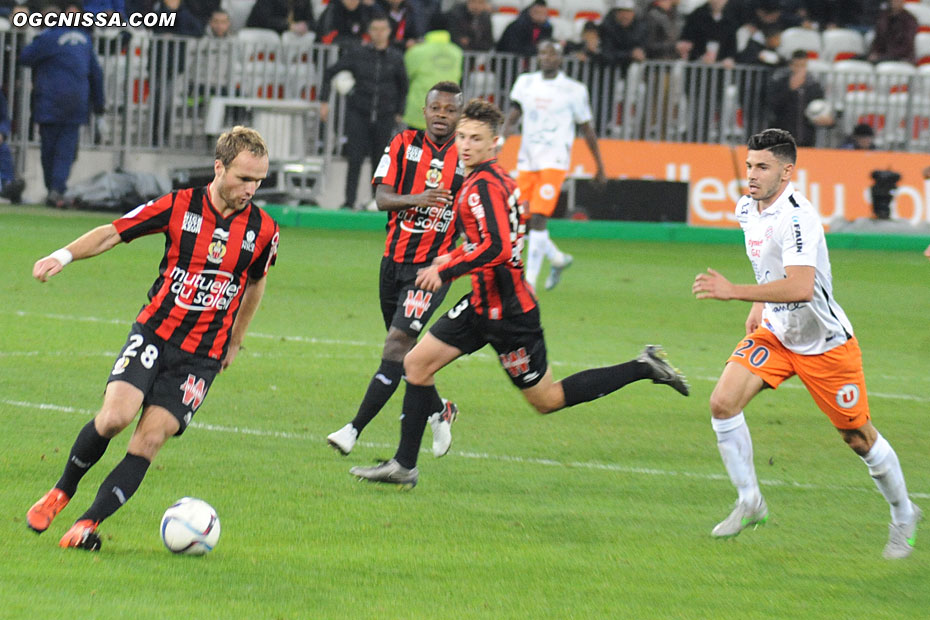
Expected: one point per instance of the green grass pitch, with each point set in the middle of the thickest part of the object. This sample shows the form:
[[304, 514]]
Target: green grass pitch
[[600, 511]]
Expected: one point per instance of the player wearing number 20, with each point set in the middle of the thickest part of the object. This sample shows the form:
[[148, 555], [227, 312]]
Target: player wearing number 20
[[795, 327], [218, 249]]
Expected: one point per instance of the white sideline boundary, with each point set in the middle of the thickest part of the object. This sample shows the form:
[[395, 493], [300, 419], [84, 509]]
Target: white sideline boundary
[[484, 456]]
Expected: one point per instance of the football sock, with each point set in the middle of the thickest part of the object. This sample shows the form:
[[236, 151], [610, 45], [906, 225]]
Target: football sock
[[553, 253], [587, 385], [118, 487], [885, 469], [380, 389], [538, 240], [735, 446], [420, 402], [87, 450]]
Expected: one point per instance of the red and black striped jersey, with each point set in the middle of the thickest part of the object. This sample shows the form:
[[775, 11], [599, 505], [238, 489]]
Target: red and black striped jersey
[[412, 164], [208, 259], [493, 220]]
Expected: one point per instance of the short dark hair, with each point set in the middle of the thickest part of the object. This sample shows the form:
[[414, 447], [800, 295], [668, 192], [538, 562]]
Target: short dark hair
[[447, 87], [799, 55], [779, 141], [863, 129], [484, 112]]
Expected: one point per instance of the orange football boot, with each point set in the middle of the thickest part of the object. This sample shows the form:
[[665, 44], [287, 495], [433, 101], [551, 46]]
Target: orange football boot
[[43, 511]]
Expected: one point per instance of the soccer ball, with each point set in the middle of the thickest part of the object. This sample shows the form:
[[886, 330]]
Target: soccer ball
[[819, 110], [343, 82], [190, 526]]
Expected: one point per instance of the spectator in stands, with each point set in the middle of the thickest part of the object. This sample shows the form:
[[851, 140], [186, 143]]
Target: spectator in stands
[[219, 25], [343, 22], [861, 139], [203, 9], [404, 24], [436, 59], [709, 34], [894, 34], [788, 98], [105, 6], [589, 48], [470, 25], [168, 62], [522, 35], [67, 82], [762, 14], [762, 49], [374, 105], [283, 15], [623, 35], [11, 187], [662, 31]]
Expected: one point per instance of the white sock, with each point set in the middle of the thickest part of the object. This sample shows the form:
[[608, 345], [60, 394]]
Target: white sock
[[735, 446], [535, 251], [886, 471], [553, 253]]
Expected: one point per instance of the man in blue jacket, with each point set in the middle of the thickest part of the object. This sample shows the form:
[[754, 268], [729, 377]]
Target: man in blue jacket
[[12, 188], [67, 80]]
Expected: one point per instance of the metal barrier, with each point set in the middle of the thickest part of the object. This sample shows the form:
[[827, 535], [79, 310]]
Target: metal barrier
[[158, 92]]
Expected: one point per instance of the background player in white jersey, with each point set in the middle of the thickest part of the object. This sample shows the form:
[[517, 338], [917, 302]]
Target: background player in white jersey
[[795, 327], [551, 104]]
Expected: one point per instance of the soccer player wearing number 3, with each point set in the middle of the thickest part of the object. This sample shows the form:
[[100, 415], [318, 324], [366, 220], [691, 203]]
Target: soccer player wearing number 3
[[501, 309], [795, 327], [218, 248]]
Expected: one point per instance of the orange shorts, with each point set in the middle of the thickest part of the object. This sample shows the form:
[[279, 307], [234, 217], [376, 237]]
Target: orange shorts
[[834, 379], [541, 188]]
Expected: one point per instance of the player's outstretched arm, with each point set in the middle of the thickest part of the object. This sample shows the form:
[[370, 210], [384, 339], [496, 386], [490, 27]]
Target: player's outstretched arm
[[796, 286], [251, 299], [91, 243]]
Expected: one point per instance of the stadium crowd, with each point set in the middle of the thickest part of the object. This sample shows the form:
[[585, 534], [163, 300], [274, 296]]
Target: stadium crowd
[[608, 31]]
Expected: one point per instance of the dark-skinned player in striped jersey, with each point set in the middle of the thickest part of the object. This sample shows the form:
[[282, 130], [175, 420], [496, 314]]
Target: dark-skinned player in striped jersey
[[218, 249], [501, 309], [417, 179]]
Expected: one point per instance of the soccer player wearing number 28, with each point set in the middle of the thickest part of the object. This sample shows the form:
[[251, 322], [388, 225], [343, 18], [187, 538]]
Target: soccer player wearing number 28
[[795, 327], [218, 248], [501, 309]]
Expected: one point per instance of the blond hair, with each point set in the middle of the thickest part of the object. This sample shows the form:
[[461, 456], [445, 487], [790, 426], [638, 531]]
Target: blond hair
[[239, 139]]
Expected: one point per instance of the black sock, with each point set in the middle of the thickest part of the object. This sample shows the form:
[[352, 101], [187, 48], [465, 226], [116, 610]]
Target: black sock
[[420, 402], [118, 487], [382, 387], [87, 450], [592, 384]]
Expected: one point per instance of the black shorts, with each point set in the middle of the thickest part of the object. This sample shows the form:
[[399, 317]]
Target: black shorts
[[403, 305], [168, 377], [518, 340]]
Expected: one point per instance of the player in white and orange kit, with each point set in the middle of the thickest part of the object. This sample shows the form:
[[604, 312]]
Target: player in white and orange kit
[[551, 104], [795, 327]]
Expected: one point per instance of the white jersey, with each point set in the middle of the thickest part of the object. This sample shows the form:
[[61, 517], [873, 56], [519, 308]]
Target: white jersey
[[551, 109], [789, 233]]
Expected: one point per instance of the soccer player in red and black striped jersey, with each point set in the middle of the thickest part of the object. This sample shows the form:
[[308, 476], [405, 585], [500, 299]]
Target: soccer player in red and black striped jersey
[[417, 179], [218, 248], [501, 309]]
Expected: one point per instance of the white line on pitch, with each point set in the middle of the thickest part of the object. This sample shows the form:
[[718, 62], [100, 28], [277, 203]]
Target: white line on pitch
[[478, 355], [486, 456]]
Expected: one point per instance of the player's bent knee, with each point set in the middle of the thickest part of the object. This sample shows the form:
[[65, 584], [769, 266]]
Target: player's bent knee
[[723, 406]]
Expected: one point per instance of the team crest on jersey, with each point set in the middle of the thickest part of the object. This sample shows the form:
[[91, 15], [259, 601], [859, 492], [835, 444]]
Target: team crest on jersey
[[192, 222], [217, 248], [434, 174], [248, 244], [414, 153]]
